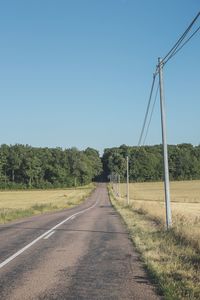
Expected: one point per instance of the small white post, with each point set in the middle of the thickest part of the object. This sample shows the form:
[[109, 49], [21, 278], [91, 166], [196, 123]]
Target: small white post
[[127, 178], [119, 192]]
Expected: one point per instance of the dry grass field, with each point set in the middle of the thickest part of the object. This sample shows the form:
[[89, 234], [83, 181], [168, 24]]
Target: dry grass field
[[17, 204], [185, 203], [172, 257]]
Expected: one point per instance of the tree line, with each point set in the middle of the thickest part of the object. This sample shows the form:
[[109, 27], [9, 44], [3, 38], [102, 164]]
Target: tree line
[[23, 166], [146, 162]]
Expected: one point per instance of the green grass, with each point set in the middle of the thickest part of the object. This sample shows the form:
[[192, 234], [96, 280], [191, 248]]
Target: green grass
[[171, 262], [19, 204]]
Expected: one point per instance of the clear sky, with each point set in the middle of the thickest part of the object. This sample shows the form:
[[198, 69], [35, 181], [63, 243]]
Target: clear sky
[[78, 72]]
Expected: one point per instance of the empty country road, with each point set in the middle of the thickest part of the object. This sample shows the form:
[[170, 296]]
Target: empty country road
[[81, 253]]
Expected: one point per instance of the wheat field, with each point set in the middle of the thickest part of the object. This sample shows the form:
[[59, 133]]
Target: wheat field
[[172, 256], [148, 198], [17, 204]]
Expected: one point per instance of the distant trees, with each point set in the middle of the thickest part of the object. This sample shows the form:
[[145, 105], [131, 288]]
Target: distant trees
[[23, 166], [29, 167], [146, 162]]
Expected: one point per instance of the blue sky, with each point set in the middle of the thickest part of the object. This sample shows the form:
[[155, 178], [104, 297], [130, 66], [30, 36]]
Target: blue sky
[[78, 72]]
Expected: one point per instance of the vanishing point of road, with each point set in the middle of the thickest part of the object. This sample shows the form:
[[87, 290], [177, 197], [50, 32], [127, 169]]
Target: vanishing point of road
[[80, 253]]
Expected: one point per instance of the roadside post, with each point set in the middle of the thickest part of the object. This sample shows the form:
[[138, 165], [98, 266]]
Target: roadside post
[[127, 180]]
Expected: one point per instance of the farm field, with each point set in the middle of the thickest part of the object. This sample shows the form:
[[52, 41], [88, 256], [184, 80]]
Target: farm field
[[17, 204], [185, 195], [171, 257], [185, 204]]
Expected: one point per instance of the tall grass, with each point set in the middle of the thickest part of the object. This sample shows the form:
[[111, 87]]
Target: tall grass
[[148, 199], [172, 260]]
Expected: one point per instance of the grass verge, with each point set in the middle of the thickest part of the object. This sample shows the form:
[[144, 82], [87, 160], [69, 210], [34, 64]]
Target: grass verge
[[19, 204], [170, 262], [148, 198]]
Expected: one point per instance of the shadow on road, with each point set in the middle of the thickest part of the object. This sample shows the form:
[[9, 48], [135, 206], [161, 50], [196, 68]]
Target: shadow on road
[[69, 230]]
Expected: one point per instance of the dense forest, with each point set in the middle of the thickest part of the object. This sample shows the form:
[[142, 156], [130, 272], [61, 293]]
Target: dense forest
[[146, 163], [29, 167]]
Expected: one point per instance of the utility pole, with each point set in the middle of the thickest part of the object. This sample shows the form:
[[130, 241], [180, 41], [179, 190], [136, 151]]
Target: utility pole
[[115, 184], [119, 193], [127, 178], [112, 181], [165, 152]]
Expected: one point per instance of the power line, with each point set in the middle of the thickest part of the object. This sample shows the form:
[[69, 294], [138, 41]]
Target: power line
[[147, 110], [175, 49], [159, 70], [152, 110]]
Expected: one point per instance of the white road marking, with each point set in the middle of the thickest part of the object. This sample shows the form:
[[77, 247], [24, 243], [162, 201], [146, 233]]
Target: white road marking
[[50, 234], [9, 259]]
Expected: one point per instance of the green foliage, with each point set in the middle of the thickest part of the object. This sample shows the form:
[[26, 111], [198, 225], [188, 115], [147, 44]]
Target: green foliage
[[23, 166], [28, 167], [146, 162]]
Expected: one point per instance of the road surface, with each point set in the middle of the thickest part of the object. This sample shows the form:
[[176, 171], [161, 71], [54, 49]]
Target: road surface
[[81, 253]]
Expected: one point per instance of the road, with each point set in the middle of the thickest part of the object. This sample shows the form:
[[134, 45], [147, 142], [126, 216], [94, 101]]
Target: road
[[81, 253]]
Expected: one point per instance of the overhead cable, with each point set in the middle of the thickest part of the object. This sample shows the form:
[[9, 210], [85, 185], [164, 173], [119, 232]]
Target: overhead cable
[[175, 49], [152, 110], [147, 110]]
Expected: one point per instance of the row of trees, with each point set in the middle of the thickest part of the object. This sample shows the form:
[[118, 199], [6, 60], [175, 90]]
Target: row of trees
[[29, 167], [26, 166], [146, 163]]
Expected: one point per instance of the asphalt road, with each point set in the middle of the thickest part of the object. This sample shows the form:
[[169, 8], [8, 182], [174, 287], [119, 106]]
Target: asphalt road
[[81, 253]]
